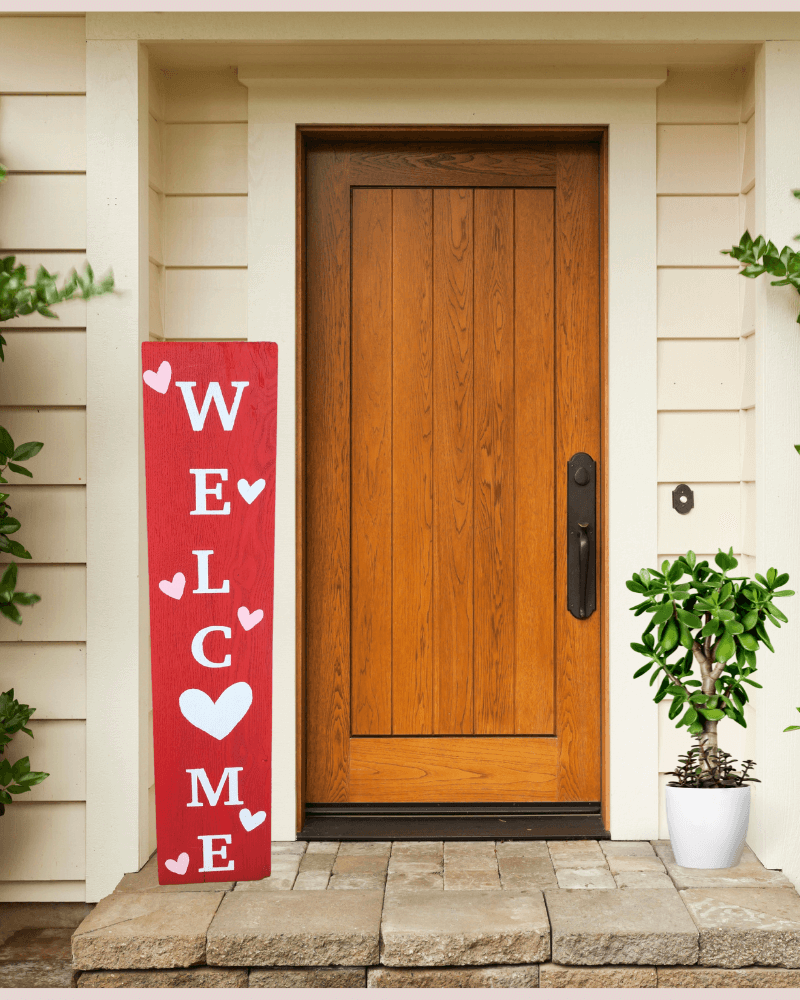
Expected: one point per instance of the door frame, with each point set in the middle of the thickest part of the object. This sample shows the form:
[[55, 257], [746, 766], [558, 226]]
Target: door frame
[[304, 134]]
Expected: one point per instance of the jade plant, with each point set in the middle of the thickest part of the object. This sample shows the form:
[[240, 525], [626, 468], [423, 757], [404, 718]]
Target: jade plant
[[704, 631]]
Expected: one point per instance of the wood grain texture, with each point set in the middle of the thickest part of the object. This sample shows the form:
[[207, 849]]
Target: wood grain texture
[[412, 461], [534, 467], [371, 437], [494, 458], [578, 691], [447, 165], [453, 461], [327, 484], [453, 769], [493, 383]]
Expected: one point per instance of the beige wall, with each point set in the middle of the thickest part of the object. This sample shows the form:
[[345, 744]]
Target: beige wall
[[198, 251], [43, 397], [706, 360], [197, 223]]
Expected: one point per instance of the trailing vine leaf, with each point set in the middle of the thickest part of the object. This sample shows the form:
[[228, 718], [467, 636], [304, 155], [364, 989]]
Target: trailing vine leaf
[[761, 256], [17, 778], [19, 297]]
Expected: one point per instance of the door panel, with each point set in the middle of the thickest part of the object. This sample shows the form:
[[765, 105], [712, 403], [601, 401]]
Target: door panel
[[452, 368]]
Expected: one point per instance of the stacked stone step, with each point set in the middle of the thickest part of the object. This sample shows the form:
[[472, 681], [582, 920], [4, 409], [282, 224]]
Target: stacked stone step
[[481, 915]]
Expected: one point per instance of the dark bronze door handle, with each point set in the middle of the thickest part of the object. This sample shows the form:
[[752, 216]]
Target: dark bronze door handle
[[583, 544], [581, 535]]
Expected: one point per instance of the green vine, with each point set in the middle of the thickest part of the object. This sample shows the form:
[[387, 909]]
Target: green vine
[[761, 256]]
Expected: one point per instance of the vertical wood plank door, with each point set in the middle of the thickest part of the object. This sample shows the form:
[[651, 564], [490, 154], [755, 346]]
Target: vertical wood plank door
[[451, 369]]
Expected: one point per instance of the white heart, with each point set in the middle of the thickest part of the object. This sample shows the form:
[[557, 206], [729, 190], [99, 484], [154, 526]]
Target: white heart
[[248, 492], [220, 717], [249, 619], [251, 820]]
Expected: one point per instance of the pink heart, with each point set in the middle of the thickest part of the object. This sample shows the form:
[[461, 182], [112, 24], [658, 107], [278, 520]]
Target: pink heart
[[174, 587], [159, 380], [249, 619], [179, 866]]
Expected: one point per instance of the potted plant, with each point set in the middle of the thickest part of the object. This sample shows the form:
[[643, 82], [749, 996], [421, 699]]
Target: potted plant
[[702, 640]]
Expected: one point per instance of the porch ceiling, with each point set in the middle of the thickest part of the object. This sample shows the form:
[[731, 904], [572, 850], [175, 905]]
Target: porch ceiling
[[432, 59]]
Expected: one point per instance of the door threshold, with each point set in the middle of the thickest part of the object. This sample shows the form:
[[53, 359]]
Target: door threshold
[[454, 821]]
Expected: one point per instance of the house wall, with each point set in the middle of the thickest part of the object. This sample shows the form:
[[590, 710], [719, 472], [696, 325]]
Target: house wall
[[197, 223], [43, 397], [706, 336]]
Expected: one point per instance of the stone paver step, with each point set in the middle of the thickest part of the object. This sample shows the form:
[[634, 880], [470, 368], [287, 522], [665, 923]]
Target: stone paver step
[[433, 913]]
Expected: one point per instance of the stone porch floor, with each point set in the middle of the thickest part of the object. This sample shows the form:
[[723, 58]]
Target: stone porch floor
[[469, 914]]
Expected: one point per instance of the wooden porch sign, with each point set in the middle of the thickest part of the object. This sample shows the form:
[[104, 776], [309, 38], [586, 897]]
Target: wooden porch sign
[[209, 423]]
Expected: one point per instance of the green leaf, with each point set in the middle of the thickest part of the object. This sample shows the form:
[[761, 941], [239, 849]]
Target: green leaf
[[8, 581], [748, 641], [11, 612], [20, 470], [643, 670], [725, 649], [724, 616], [6, 442], [675, 708], [675, 572], [777, 612], [663, 613], [734, 628], [27, 450], [25, 598], [714, 714], [8, 525], [671, 635], [688, 619], [749, 620]]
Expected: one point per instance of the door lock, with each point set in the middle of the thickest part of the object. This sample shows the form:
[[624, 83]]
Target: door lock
[[581, 535]]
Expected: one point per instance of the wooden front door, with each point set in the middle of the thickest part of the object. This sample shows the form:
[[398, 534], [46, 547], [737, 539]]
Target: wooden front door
[[451, 369]]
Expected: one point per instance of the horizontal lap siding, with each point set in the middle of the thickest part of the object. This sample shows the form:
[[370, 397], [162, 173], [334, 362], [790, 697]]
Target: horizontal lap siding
[[198, 206], [197, 222], [706, 361], [43, 397]]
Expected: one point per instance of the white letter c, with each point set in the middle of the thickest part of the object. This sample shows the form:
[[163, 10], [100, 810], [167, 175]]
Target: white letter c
[[197, 646]]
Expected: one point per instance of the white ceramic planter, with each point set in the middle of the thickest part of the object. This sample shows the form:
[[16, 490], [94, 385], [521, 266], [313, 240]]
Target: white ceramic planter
[[707, 826]]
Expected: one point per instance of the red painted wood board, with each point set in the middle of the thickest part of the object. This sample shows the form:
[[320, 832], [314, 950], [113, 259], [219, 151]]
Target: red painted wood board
[[209, 427]]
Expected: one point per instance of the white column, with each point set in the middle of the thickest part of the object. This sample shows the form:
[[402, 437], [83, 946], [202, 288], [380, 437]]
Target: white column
[[632, 517], [271, 316], [117, 614], [775, 829]]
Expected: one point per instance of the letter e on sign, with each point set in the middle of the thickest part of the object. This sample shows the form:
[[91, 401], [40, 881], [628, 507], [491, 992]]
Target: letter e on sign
[[209, 425]]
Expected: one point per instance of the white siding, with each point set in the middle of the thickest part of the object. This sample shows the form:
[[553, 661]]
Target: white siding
[[197, 222], [198, 242], [706, 367], [43, 397]]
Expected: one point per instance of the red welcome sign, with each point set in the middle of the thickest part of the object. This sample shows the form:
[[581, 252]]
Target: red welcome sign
[[209, 425]]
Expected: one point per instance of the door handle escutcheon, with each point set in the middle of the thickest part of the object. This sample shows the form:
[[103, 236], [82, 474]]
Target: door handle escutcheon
[[581, 535]]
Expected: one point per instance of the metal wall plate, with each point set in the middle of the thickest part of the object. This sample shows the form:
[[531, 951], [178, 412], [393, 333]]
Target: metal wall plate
[[682, 499]]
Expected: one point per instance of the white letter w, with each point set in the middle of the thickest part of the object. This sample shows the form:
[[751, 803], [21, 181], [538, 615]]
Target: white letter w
[[213, 392]]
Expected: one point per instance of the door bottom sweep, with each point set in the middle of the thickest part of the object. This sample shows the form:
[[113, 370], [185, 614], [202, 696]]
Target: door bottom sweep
[[454, 821]]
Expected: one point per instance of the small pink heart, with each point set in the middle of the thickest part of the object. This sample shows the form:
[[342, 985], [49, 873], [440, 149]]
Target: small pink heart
[[249, 619], [159, 380], [179, 866], [174, 587]]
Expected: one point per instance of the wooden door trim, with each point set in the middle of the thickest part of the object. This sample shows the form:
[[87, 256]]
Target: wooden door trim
[[533, 133]]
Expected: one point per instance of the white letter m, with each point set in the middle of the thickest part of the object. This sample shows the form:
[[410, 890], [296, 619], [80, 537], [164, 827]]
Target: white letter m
[[230, 774]]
